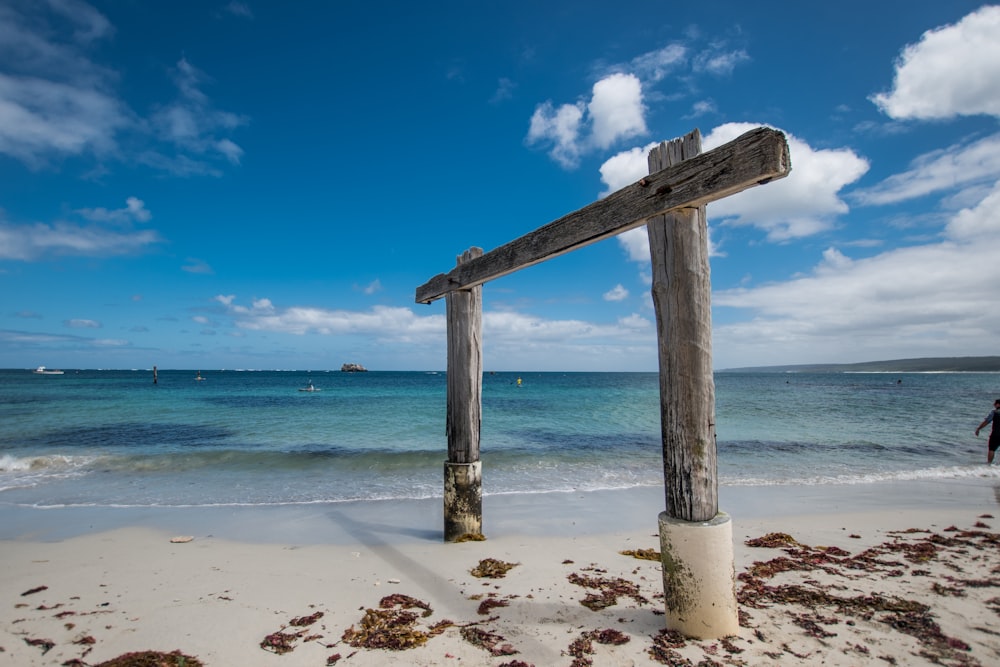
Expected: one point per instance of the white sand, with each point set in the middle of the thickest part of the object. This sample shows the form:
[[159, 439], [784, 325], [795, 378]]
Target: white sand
[[115, 583]]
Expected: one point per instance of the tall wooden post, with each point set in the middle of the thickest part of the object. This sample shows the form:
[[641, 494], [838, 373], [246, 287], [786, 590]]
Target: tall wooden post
[[695, 538], [682, 296], [463, 497]]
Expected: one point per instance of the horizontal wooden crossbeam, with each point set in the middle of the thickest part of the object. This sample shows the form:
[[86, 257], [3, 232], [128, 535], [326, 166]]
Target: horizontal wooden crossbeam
[[754, 158]]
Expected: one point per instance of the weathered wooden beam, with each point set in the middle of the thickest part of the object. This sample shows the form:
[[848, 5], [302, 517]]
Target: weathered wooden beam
[[754, 158]]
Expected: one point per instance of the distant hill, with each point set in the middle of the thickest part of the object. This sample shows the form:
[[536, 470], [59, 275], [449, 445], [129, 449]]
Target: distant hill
[[927, 365]]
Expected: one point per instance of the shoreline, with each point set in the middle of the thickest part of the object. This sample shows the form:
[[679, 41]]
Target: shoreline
[[562, 514], [115, 583]]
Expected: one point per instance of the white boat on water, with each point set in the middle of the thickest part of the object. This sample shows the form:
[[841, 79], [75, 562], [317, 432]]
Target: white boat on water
[[310, 387], [42, 370]]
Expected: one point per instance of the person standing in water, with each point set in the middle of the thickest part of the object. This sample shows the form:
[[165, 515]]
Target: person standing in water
[[994, 434]]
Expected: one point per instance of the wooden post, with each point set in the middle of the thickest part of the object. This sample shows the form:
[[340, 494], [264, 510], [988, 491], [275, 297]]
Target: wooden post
[[682, 297], [463, 500], [696, 547]]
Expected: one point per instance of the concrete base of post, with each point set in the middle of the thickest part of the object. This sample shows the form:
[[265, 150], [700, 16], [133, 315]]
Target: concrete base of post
[[699, 577], [463, 499]]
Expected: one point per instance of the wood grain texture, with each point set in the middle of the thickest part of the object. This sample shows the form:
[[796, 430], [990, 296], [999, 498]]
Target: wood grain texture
[[682, 298], [465, 369]]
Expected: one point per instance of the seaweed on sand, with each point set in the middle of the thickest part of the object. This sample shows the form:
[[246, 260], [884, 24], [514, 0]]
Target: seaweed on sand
[[281, 642], [583, 646], [903, 615], [393, 626], [488, 641], [153, 659], [608, 591], [491, 568]]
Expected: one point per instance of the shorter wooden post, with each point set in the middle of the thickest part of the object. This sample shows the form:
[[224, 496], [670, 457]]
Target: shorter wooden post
[[463, 507]]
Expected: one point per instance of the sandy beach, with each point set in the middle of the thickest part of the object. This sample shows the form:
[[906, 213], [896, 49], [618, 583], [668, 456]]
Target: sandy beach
[[881, 574]]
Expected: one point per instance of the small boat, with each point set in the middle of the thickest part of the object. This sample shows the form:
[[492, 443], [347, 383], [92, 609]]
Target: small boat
[[199, 378], [310, 387], [42, 370]]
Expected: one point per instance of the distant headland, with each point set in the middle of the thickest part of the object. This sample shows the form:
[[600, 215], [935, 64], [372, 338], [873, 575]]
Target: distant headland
[[925, 365]]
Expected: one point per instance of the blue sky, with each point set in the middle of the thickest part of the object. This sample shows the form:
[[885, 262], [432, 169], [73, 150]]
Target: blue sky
[[254, 184]]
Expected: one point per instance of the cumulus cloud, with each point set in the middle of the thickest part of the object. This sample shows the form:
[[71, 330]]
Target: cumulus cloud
[[616, 109], [952, 71], [615, 112], [804, 203], [559, 128], [616, 293], [910, 301]]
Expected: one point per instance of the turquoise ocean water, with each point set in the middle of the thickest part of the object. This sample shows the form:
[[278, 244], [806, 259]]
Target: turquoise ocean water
[[246, 438]]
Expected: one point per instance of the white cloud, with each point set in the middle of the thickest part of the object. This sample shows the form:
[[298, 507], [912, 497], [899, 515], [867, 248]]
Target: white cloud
[[504, 91], [656, 65], [56, 101], [616, 110], [629, 343], [32, 242], [41, 120], [135, 209], [191, 121], [801, 204], [926, 300], [804, 203], [718, 61], [381, 322], [616, 293], [952, 71], [559, 127], [194, 265], [961, 165], [701, 108], [240, 9], [82, 324]]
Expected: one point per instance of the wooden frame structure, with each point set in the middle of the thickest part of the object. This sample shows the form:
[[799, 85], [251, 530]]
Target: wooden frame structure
[[671, 202]]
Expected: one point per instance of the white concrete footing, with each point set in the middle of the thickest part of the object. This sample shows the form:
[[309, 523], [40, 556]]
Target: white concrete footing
[[463, 499], [699, 577]]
